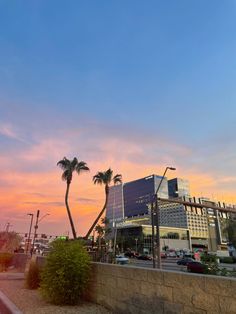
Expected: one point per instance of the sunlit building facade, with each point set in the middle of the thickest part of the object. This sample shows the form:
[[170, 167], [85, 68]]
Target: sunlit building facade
[[129, 204], [138, 194], [115, 204], [178, 187]]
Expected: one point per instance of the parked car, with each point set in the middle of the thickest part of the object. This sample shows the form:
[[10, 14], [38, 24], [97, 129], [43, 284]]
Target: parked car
[[45, 251], [163, 255], [184, 261], [144, 257], [131, 254], [196, 267], [171, 254], [120, 259], [189, 254]]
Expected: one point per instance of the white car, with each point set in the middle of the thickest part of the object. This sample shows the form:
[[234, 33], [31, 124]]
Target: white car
[[120, 259]]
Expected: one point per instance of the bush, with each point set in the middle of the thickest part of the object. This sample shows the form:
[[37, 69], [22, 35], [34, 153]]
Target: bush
[[33, 276], [66, 272], [5, 260], [209, 258], [227, 260]]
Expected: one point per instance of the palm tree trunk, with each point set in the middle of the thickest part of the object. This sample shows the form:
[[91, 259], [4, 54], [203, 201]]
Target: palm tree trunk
[[68, 211], [100, 214]]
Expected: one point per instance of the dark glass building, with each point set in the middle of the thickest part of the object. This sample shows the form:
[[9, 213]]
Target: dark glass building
[[138, 194], [178, 188], [115, 204]]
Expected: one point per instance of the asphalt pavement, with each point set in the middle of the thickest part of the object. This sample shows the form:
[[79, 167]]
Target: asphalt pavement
[[171, 264]]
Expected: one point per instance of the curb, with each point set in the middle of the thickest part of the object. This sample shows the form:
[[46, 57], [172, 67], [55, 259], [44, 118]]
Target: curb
[[11, 276], [7, 307]]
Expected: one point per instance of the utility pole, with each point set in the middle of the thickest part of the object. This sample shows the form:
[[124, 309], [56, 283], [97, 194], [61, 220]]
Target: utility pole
[[156, 222], [35, 230], [31, 221], [153, 235]]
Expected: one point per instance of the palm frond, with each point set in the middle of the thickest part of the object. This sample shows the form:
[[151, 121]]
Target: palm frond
[[64, 163], [99, 229], [67, 175], [105, 221], [108, 176], [98, 178], [74, 163], [81, 166], [117, 179]]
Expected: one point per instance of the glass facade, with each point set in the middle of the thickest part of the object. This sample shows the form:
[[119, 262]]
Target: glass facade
[[163, 190], [138, 194], [115, 204], [178, 188]]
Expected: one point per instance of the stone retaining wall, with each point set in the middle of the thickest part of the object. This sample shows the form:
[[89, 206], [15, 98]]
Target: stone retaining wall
[[141, 290], [19, 261]]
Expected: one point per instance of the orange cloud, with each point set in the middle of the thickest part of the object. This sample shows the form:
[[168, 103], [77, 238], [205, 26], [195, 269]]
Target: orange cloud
[[30, 179]]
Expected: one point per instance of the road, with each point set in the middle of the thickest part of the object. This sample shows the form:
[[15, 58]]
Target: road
[[167, 263], [170, 264]]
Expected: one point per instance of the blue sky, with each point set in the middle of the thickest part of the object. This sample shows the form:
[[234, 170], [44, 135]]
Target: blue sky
[[142, 82]]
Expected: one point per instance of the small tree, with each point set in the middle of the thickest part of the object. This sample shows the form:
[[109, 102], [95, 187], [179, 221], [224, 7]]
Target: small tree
[[9, 241], [66, 272], [102, 231]]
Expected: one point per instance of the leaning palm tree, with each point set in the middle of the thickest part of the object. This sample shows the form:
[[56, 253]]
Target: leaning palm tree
[[105, 178], [68, 167]]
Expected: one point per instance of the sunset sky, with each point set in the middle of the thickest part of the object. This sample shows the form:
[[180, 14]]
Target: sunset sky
[[132, 85]]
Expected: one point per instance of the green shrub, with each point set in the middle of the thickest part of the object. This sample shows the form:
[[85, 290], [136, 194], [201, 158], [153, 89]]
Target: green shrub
[[209, 258], [5, 260], [211, 264], [227, 259], [66, 272], [33, 276]]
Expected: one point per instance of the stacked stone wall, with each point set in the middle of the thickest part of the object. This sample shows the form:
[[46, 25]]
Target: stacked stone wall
[[140, 290]]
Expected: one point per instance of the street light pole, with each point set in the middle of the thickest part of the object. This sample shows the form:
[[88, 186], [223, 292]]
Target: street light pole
[[157, 218], [35, 230], [153, 234], [43, 217], [31, 221], [136, 244]]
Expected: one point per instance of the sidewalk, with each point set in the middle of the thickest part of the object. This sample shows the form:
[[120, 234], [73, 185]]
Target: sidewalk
[[28, 301], [11, 276]]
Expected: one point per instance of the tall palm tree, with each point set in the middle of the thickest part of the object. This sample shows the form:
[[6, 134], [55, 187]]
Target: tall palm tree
[[105, 178], [68, 167]]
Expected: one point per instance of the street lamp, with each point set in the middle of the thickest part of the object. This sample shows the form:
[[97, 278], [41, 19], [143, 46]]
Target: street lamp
[[31, 221], [36, 226], [156, 214], [43, 217]]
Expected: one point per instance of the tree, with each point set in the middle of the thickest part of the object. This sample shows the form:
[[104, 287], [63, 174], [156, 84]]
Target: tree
[[68, 167], [105, 178], [9, 241], [102, 230]]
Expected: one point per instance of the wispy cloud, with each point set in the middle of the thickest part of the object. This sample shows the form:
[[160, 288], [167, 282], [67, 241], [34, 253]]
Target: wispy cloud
[[7, 130], [34, 181]]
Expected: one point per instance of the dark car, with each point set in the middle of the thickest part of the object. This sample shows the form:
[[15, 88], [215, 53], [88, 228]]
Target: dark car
[[144, 257], [184, 261], [130, 254], [196, 267]]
